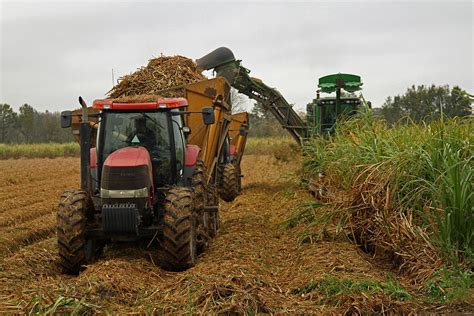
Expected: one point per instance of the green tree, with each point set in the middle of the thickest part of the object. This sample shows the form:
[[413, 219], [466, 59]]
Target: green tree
[[8, 120], [423, 103], [26, 122], [48, 129], [263, 123], [457, 104]]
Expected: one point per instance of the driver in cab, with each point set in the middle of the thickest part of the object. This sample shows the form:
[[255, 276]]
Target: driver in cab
[[142, 135]]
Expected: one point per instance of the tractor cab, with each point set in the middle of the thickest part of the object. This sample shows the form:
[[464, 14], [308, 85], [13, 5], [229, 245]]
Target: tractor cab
[[158, 131], [140, 148], [323, 112], [156, 128]]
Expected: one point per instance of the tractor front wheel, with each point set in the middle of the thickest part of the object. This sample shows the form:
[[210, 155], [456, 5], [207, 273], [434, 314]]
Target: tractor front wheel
[[71, 228], [178, 241]]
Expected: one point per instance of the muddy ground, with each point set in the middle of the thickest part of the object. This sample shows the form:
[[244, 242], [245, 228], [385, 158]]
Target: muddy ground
[[254, 264]]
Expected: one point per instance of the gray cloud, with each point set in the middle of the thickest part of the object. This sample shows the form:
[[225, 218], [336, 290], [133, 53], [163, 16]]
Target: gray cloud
[[52, 52]]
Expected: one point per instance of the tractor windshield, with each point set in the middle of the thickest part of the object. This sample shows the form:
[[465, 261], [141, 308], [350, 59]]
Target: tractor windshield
[[150, 130]]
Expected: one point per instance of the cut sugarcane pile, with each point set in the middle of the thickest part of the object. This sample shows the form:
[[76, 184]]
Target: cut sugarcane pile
[[165, 76]]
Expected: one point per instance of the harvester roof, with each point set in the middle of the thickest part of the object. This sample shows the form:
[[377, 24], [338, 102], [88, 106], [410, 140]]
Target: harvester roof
[[348, 82], [164, 103]]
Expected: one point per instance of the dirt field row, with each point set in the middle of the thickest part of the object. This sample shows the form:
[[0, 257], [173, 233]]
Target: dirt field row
[[29, 190], [253, 265]]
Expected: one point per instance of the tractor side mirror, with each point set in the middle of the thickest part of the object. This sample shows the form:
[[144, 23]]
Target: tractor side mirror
[[66, 119], [242, 131], [208, 115]]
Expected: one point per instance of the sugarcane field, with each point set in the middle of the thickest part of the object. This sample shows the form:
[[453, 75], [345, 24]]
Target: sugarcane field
[[294, 158]]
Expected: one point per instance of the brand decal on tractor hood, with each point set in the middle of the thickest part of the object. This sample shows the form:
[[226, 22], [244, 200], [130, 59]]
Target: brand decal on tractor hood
[[135, 140], [117, 194]]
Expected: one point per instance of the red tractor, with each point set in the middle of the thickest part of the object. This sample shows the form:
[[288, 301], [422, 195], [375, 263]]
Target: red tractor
[[142, 181]]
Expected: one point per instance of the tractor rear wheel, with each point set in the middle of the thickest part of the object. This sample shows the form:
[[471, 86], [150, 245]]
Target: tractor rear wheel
[[229, 183], [71, 229], [178, 241]]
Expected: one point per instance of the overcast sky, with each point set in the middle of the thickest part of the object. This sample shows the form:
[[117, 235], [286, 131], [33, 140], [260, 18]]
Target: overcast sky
[[52, 52]]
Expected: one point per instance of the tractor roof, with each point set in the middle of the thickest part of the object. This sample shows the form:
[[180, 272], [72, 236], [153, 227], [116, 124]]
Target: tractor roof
[[164, 103]]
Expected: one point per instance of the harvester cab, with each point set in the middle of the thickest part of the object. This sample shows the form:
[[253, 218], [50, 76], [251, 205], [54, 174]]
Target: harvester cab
[[142, 180], [323, 112]]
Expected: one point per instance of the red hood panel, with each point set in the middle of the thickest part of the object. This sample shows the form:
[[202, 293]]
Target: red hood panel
[[132, 157], [128, 157]]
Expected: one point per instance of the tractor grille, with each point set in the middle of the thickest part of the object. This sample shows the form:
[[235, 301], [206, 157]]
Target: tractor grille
[[120, 218], [125, 178]]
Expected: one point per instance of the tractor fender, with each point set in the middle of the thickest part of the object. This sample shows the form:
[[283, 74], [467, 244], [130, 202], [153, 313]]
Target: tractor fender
[[232, 150], [190, 158], [191, 155], [93, 157], [93, 168], [232, 153]]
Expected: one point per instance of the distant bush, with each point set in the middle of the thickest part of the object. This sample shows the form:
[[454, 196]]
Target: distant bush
[[15, 151], [282, 148]]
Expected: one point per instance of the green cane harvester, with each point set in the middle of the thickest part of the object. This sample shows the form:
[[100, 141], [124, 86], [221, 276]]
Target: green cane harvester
[[323, 112]]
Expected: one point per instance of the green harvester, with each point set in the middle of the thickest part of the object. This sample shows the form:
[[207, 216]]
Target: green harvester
[[323, 112]]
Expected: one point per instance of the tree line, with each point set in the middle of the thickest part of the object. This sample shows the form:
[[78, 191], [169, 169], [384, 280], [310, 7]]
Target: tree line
[[417, 104], [426, 103], [31, 126]]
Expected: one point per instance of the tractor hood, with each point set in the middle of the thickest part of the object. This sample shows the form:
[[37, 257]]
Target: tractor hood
[[127, 174], [128, 157]]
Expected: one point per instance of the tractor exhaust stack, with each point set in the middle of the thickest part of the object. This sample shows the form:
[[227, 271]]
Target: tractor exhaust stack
[[85, 132]]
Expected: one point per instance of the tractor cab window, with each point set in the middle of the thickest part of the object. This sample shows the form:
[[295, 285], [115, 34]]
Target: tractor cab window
[[179, 144], [146, 129]]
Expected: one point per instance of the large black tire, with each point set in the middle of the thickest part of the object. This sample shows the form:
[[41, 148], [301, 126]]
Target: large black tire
[[200, 201], [178, 241], [212, 219], [229, 189], [239, 179], [199, 185], [71, 228]]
